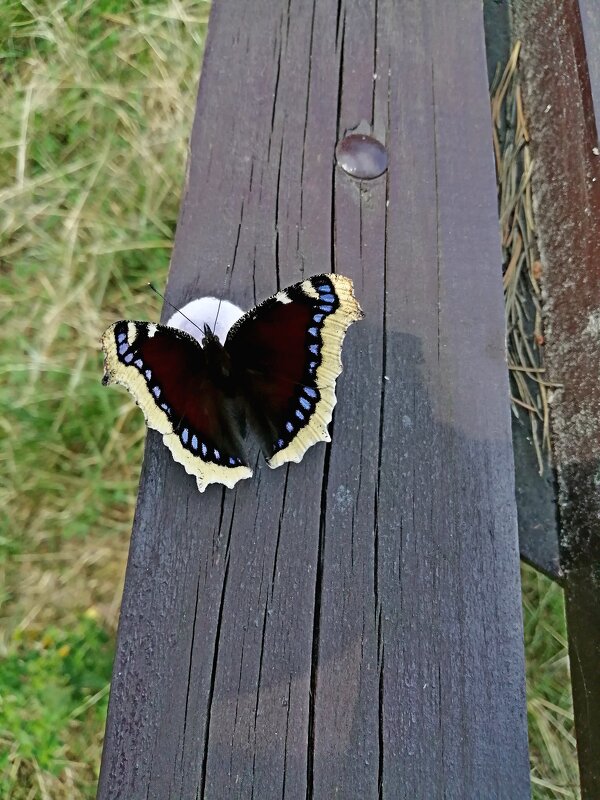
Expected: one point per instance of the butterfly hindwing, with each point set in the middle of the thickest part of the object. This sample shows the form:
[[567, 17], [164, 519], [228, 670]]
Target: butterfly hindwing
[[167, 373], [287, 354]]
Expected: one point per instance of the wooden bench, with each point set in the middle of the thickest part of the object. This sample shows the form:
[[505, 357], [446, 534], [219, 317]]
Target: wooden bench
[[351, 626]]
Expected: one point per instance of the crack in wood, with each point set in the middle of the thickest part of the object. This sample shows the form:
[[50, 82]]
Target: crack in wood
[[277, 198], [279, 526], [308, 90], [375, 31], [237, 238], [437, 207], [285, 747], [338, 20], [380, 719], [213, 678], [259, 684], [274, 106], [189, 675], [317, 626]]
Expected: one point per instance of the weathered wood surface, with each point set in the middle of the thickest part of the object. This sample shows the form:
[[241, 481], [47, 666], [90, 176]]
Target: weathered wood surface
[[347, 627], [560, 60]]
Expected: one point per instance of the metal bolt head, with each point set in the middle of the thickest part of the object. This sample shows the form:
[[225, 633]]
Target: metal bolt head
[[361, 156]]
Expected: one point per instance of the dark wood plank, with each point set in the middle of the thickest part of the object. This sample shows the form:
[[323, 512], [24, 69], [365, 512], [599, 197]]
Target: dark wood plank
[[559, 101], [537, 510], [496, 21], [349, 626]]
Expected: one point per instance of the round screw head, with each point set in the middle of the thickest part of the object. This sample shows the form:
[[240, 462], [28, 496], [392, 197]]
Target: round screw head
[[361, 156]]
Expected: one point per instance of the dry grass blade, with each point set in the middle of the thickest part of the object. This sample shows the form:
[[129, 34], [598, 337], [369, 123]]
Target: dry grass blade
[[522, 266]]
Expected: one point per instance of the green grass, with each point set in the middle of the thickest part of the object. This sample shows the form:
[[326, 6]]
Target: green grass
[[53, 706], [554, 772], [96, 105]]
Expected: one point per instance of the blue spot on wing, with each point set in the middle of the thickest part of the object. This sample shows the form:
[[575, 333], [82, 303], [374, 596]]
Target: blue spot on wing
[[313, 331], [310, 391], [328, 298], [304, 403], [121, 337], [156, 391], [204, 449], [318, 317], [184, 435], [314, 349], [289, 427], [123, 348], [327, 309], [324, 287], [139, 363], [194, 442]]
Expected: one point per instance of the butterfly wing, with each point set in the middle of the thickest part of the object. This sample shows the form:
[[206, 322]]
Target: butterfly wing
[[167, 373], [287, 354]]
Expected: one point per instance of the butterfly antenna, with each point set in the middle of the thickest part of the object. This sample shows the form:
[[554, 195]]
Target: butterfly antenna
[[217, 315], [227, 277], [169, 303]]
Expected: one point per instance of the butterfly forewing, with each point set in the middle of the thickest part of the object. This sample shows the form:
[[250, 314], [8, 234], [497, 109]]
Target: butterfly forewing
[[169, 376], [287, 354]]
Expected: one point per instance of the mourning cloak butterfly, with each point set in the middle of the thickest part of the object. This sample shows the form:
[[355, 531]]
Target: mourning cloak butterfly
[[277, 368]]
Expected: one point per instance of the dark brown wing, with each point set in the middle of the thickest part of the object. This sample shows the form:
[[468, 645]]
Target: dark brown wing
[[166, 372], [286, 354]]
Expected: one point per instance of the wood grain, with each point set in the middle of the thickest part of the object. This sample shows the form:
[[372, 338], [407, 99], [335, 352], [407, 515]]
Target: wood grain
[[559, 96], [347, 627]]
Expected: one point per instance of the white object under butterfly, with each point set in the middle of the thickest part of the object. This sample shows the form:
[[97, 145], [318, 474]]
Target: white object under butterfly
[[204, 311]]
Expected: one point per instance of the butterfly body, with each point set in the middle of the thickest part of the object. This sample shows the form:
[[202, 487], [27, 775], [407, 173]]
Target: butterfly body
[[218, 364], [277, 368]]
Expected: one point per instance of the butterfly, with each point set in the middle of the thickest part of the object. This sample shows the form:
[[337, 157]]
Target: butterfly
[[275, 371]]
